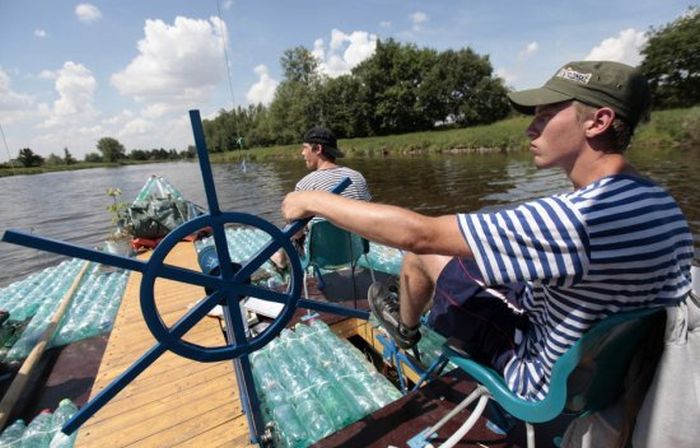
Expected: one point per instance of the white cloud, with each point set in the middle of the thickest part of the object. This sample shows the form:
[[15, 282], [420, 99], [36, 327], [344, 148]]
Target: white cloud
[[47, 74], [385, 24], [529, 50], [137, 127], [418, 18], [624, 48], [87, 13], [40, 33], [262, 91], [76, 88], [178, 65], [13, 105], [228, 4], [345, 51]]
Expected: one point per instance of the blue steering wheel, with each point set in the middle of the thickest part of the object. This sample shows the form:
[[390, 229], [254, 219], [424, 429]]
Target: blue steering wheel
[[233, 286]]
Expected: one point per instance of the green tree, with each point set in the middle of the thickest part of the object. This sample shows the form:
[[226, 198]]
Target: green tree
[[68, 157], [462, 89], [28, 158], [188, 153], [672, 62], [343, 108], [295, 107], [299, 65], [392, 80], [53, 160], [93, 157], [111, 149], [138, 154]]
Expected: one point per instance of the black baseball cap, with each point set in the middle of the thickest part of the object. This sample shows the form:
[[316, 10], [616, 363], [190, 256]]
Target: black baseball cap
[[323, 136], [598, 83]]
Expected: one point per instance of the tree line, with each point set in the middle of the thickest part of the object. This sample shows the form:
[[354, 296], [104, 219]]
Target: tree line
[[109, 150], [400, 88]]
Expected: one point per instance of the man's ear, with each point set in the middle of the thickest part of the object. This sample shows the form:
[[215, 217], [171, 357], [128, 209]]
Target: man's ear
[[599, 122]]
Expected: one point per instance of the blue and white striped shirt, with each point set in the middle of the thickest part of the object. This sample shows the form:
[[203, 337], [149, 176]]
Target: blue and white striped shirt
[[325, 180], [617, 244]]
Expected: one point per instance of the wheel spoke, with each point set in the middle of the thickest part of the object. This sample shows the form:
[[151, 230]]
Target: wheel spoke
[[263, 293], [332, 308], [184, 275], [194, 315], [258, 259], [222, 251], [71, 250], [204, 165], [234, 321]]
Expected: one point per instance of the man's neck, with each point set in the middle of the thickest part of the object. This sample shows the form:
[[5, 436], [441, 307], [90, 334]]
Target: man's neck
[[326, 165], [597, 166]]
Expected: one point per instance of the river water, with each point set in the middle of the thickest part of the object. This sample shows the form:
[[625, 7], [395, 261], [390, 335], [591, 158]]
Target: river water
[[70, 205]]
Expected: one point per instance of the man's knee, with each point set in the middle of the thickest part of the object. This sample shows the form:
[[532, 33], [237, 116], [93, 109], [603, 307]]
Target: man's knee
[[429, 265]]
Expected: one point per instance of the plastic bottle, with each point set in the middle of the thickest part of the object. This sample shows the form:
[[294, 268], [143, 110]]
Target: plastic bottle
[[13, 434], [65, 410], [290, 428], [38, 433]]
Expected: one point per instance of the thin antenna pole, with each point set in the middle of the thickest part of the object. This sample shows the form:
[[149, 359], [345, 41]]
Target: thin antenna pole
[[228, 64], [7, 148], [228, 70]]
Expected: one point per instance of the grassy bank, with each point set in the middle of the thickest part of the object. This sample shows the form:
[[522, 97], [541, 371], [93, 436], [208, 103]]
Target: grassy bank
[[669, 129], [20, 170]]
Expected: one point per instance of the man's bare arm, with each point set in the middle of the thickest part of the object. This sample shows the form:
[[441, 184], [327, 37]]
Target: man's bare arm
[[386, 224]]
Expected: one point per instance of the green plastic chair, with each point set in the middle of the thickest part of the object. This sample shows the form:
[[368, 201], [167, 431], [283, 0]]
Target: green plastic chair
[[328, 247], [587, 378]]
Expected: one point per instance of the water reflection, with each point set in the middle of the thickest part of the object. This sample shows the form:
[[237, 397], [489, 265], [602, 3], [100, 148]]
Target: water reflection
[[71, 205]]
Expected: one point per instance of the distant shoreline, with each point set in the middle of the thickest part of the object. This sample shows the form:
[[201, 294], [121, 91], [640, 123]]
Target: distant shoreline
[[668, 129]]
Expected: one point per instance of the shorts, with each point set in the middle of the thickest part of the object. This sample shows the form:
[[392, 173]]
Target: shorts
[[485, 325]]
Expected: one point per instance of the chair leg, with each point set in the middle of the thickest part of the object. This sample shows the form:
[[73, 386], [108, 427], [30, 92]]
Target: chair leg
[[468, 424], [530, 430], [479, 392], [369, 266], [354, 286]]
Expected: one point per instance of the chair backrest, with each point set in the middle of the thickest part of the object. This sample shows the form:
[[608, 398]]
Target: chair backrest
[[586, 378], [328, 246]]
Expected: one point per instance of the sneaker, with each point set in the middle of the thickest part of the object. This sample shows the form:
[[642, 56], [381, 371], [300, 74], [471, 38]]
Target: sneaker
[[385, 306]]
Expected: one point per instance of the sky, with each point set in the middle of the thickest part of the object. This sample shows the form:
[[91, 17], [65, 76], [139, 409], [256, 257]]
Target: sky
[[72, 73]]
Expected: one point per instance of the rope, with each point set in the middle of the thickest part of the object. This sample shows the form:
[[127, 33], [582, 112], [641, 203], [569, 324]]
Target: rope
[[7, 148]]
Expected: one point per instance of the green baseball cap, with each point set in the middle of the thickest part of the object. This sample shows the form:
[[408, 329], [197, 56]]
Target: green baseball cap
[[598, 83]]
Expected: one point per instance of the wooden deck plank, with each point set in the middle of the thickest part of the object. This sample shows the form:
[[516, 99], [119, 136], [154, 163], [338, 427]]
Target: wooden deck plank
[[175, 401]]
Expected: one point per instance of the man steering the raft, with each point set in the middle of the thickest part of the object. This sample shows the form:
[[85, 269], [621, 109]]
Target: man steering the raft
[[320, 152], [520, 286]]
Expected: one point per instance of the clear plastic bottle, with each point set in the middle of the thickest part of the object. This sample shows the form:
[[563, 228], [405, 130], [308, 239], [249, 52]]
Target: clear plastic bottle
[[65, 410], [38, 433], [291, 431], [12, 435]]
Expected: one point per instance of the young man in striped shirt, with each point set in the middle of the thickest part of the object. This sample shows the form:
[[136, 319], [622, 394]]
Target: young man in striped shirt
[[521, 286], [320, 151]]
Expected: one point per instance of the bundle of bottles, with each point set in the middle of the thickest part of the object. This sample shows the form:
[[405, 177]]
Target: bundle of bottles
[[44, 431], [243, 242], [33, 300], [312, 383], [382, 258]]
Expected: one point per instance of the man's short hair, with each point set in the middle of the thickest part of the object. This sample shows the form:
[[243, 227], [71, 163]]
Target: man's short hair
[[326, 139], [618, 135]]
